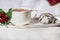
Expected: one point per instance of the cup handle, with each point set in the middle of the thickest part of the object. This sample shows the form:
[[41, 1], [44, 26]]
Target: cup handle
[[35, 14]]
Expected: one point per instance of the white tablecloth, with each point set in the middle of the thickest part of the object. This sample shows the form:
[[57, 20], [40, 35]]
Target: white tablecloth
[[50, 33]]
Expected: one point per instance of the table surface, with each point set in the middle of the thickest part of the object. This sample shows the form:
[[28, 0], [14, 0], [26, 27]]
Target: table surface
[[49, 33]]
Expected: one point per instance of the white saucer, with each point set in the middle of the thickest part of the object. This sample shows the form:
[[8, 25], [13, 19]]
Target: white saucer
[[37, 25]]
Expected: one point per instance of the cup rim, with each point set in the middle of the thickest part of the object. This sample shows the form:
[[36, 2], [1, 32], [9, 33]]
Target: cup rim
[[19, 10]]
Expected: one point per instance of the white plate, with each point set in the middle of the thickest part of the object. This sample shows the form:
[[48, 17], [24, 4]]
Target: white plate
[[42, 25], [38, 25]]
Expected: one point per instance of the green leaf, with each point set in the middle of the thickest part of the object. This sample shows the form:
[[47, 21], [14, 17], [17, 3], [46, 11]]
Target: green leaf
[[4, 23], [1, 10], [9, 14]]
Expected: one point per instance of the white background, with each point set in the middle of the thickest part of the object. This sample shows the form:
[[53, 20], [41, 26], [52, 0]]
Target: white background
[[42, 6]]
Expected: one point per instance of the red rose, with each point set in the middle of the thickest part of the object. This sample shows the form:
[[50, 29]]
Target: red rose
[[53, 2], [3, 17]]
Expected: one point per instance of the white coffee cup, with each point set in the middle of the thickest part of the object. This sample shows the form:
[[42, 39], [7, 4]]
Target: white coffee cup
[[21, 16]]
